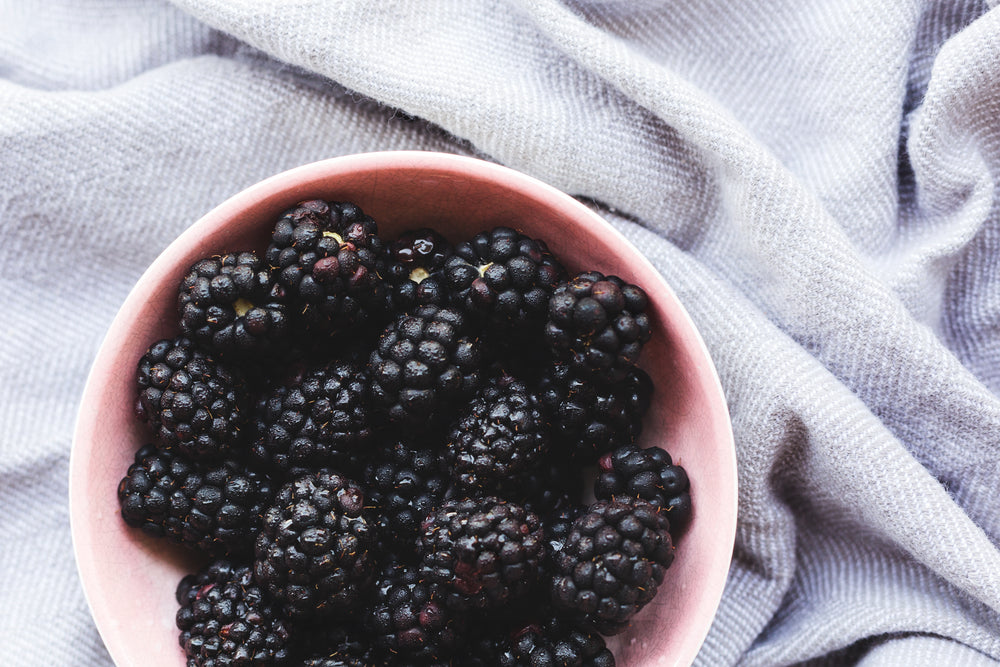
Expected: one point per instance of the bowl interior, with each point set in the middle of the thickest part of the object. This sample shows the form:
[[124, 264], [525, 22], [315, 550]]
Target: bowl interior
[[129, 579]]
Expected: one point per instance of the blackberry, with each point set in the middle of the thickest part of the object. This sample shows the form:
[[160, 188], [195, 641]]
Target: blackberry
[[328, 256], [409, 621], [590, 417], [233, 305], [611, 564], [414, 271], [404, 483], [649, 474], [598, 324], [500, 435], [554, 643], [313, 553], [319, 417], [214, 507], [505, 277], [422, 362], [484, 552], [225, 619], [193, 403]]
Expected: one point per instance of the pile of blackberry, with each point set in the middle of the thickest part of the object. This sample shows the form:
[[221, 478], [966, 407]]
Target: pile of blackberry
[[382, 448]]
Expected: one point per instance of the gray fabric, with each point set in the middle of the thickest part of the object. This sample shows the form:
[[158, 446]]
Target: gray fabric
[[817, 180]]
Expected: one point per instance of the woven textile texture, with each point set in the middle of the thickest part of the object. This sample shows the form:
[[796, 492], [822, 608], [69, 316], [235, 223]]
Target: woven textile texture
[[817, 180]]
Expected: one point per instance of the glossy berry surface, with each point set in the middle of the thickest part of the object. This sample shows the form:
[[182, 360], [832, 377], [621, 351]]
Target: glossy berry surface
[[649, 474], [226, 619], [314, 551], [193, 403], [598, 324], [483, 552], [233, 304], [613, 560], [499, 437], [422, 363]]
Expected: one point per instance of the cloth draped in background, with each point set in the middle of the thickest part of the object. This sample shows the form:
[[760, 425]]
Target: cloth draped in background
[[817, 180]]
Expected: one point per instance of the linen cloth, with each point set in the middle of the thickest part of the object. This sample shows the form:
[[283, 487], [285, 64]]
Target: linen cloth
[[817, 181]]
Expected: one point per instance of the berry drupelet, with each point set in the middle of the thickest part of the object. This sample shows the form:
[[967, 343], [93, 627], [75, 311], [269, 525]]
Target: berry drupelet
[[232, 304], [558, 526], [500, 436], [193, 403], [611, 564], [328, 256], [415, 269], [318, 417], [213, 507], [598, 324], [483, 552], [314, 551], [649, 474], [423, 362], [225, 619], [505, 278]]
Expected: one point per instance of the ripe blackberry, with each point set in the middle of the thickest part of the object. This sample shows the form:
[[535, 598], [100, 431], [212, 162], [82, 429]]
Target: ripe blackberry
[[313, 552], [404, 483], [598, 324], [649, 474], [554, 643], [414, 270], [589, 416], [422, 362], [500, 435], [484, 552], [232, 304], [193, 403], [505, 277], [214, 507], [319, 417], [409, 621], [328, 255], [611, 564], [225, 619]]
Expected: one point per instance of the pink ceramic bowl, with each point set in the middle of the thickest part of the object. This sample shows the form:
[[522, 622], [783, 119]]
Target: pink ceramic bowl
[[129, 578]]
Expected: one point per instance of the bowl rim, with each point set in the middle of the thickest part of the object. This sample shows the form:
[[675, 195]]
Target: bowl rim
[[281, 185]]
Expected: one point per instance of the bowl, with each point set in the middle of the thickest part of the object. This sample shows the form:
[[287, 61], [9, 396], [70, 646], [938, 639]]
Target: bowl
[[129, 578]]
